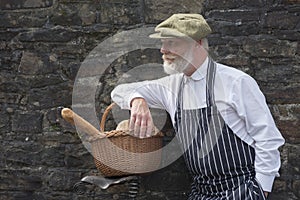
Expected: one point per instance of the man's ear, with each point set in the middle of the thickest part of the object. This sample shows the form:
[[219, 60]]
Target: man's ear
[[198, 44]]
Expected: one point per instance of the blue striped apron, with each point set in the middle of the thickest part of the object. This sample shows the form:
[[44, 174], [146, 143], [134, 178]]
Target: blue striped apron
[[222, 165]]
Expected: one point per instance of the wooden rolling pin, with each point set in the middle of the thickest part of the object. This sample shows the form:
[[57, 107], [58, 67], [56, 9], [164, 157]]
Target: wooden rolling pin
[[81, 124]]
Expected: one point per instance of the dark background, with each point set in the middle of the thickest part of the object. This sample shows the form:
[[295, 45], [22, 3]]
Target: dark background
[[44, 42]]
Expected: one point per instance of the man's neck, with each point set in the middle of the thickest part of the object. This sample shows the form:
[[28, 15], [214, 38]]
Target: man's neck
[[196, 63]]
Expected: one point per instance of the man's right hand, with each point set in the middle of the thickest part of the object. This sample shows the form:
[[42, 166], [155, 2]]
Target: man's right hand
[[141, 123]]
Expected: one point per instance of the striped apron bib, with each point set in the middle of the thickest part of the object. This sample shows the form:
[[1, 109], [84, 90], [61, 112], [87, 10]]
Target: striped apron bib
[[222, 165]]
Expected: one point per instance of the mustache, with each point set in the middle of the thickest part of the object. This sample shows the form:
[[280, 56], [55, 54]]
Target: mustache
[[169, 56]]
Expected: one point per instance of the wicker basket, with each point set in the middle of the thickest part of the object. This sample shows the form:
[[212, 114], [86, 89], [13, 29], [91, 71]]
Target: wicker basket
[[120, 154]]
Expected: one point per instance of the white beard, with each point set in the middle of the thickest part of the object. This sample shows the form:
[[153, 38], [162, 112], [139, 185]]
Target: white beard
[[178, 65]]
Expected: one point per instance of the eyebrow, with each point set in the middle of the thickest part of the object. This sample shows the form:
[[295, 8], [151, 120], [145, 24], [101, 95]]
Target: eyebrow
[[170, 39]]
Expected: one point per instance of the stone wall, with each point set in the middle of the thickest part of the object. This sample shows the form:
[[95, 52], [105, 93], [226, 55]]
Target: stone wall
[[43, 44]]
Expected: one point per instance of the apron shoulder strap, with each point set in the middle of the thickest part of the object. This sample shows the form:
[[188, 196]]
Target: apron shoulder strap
[[210, 82]]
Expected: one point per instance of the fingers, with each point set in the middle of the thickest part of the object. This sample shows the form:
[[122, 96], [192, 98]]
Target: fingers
[[141, 125], [140, 131], [149, 129], [141, 122]]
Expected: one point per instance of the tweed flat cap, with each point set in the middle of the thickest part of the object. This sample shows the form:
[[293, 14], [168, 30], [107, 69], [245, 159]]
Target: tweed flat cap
[[182, 25]]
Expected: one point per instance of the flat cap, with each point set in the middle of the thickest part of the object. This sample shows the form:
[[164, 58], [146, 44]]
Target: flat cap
[[182, 25]]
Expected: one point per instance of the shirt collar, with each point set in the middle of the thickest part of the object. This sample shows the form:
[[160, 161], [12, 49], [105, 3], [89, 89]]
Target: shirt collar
[[200, 73]]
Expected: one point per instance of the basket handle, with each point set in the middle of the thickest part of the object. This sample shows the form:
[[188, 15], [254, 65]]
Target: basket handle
[[106, 112]]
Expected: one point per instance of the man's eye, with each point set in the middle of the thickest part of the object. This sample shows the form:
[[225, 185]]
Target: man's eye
[[172, 43]]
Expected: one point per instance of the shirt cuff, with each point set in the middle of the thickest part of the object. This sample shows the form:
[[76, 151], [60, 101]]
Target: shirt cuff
[[266, 181], [133, 96]]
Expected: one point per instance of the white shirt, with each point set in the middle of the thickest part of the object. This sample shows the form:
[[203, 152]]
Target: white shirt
[[239, 100]]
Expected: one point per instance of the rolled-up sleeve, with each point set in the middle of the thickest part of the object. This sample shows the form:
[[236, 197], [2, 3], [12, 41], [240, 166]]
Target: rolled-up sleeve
[[124, 93], [160, 93]]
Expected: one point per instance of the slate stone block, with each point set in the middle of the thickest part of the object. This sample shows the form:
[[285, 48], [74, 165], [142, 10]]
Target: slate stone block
[[21, 180], [55, 34], [42, 46], [24, 4], [4, 122], [30, 122]]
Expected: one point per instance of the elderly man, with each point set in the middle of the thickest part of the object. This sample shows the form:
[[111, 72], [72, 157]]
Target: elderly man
[[219, 114]]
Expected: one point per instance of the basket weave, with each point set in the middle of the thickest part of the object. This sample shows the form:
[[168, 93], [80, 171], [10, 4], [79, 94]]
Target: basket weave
[[130, 157]]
